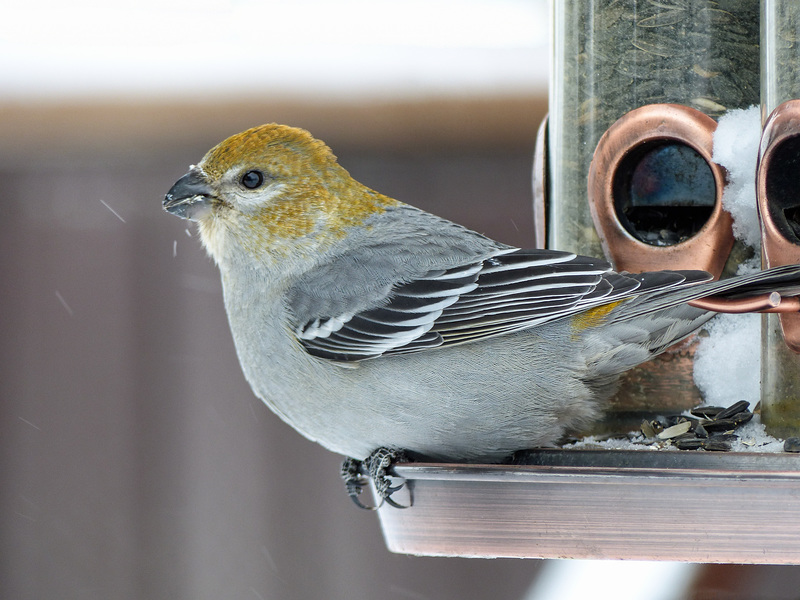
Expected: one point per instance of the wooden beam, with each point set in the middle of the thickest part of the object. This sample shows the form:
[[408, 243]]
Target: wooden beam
[[36, 131]]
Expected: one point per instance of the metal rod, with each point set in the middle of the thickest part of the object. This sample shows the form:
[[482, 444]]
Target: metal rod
[[768, 303]]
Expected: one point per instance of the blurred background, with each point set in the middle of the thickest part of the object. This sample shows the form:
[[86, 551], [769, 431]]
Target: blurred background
[[134, 460]]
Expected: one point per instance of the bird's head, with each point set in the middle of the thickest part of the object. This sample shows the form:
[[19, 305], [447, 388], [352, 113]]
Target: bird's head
[[271, 191]]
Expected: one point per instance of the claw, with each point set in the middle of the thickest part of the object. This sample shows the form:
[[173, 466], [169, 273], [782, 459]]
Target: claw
[[376, 466], [359, 504], [396, 488], [390, 502], [354, 482]]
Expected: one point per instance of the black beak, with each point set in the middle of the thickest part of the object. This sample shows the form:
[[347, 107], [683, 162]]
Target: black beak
[[190, 197]]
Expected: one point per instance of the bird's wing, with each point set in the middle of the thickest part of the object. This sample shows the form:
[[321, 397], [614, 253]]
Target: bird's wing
[[508, 292]]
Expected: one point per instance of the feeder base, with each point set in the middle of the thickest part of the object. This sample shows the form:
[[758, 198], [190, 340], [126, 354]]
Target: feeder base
[[601, 504]]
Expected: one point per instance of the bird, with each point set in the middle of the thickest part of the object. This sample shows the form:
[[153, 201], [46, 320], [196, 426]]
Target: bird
[[384, 332]]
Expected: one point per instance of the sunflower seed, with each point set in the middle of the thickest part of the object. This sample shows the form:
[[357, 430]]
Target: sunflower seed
[[675, 431], [660, 19], [791, 444], [733, 409], [689, 444], [716, 445], [707, 412], [719, 425]]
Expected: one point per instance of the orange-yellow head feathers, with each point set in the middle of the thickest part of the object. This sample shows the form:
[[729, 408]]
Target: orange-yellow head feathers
[[277, 190], [279, 148]]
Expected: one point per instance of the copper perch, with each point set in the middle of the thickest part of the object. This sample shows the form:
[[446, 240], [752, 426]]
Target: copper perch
[[764, 303]]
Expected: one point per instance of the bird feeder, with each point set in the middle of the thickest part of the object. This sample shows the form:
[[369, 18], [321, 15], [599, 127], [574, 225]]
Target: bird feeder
[[779, 207], [636, 89], [624, 167]]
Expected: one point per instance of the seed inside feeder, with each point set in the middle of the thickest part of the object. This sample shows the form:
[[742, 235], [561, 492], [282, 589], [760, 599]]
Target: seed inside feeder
[[664, 192], [783, 193]]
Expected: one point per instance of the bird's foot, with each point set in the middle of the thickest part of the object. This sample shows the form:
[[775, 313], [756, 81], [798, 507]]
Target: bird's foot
[[356, 475]]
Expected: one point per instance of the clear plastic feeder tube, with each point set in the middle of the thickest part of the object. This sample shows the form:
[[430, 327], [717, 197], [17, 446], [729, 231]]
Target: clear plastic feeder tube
[[780, 45], [779, 204], [609, 58]]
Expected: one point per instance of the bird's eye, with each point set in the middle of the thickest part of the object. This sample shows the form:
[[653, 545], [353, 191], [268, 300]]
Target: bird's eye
[[252, 179]]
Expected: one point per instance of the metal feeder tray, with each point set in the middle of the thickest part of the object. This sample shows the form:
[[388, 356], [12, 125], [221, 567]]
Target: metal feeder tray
[[691, 506]]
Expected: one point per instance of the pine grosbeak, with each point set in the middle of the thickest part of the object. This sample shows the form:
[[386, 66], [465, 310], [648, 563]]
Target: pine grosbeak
[[366, 323]]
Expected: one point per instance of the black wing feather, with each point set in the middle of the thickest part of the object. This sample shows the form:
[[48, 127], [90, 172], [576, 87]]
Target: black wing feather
[[504, 293]]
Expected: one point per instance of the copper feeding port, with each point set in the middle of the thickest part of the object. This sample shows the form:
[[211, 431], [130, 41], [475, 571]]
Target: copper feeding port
[[778, 190], [656, 195]]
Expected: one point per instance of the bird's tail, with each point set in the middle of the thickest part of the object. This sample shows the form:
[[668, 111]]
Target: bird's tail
[[774, 290], [650, 323]]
